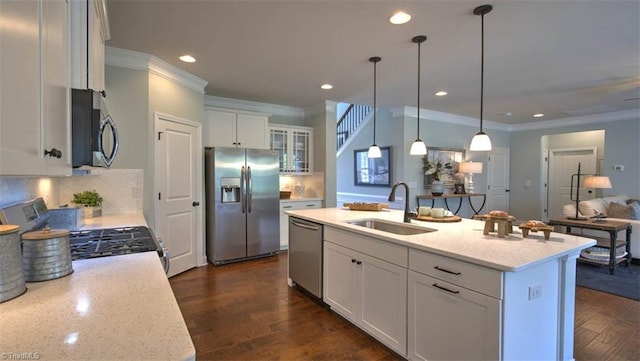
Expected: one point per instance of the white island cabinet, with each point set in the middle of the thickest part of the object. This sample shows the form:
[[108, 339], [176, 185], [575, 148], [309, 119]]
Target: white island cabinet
[[366, 282], [451, 293]]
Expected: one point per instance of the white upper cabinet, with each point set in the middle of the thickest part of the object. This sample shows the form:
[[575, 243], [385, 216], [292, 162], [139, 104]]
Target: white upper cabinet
[[89, 32], [227, 128], [34, 95], [295, 148]]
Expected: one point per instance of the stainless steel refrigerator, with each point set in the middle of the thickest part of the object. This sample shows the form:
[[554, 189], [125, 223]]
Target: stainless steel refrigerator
[[242, 204]]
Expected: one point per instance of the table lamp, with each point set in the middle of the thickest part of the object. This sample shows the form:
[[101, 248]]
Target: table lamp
[[600, 182], [470, 168]]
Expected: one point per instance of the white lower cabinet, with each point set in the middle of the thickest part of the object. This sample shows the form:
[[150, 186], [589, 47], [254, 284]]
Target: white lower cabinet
[[449, 322], [369, 292], [284, 218]]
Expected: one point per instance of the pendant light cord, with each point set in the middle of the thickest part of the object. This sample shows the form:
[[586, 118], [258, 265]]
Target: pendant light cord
[[481, 70], [418, 115], [375, 72]]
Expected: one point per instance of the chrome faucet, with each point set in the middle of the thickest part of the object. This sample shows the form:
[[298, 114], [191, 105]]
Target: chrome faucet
[[392, 198]]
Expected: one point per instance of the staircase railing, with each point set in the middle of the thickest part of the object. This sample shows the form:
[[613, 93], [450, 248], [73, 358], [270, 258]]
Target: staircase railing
[[350, 121]]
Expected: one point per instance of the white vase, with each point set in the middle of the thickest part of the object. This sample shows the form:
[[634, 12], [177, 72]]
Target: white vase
[[437, 188]]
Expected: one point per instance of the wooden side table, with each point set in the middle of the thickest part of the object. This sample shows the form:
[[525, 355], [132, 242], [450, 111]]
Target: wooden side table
[[445, 197], [611, 227]]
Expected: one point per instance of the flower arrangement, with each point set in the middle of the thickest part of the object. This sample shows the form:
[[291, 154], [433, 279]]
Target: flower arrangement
[[436, 169]]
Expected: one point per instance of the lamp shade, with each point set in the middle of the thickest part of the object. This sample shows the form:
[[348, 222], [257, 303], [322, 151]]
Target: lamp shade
[[418, 148], [480, 142], [591, 181], [374, 152], [470, 167]]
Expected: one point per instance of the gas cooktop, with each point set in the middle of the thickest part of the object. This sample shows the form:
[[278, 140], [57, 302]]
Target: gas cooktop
[[94, 243]]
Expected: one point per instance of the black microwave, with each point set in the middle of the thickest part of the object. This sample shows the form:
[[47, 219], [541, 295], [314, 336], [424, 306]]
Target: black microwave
[[94, 140]]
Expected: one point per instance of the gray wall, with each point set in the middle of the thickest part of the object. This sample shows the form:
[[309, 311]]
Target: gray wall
[[621, 146], [322, 118], [399, 131], [134, 96]]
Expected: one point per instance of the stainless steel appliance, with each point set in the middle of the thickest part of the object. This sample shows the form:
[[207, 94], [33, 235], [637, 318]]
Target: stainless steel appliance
[[305, 255], [242, 200], [94, 133], [90, 243]]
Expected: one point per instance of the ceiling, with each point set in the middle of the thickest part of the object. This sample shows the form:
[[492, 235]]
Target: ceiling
[[561, 58]]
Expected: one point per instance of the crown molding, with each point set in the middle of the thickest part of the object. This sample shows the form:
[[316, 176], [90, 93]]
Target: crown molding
[[140, 61], [583, 120], [327, 106], [239, 104], [448, 118]]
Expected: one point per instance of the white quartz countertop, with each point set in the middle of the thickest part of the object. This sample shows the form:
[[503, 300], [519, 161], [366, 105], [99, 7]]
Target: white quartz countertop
[[115, 220], [300, 199], [109, 308], [461, 240]]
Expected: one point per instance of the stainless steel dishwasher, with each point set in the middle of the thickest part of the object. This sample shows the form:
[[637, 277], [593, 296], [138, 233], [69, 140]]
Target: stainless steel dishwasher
[[305, 255]]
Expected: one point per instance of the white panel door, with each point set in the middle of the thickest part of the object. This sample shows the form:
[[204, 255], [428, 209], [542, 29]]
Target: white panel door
[[498, 180], [179, 166], [563, 163]]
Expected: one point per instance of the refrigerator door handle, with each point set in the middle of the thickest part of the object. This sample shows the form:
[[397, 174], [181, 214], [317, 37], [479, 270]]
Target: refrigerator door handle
[[249, 189], [243, 198]]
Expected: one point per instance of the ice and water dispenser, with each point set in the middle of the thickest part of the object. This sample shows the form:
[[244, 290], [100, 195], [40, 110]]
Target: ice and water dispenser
[[230, 189]]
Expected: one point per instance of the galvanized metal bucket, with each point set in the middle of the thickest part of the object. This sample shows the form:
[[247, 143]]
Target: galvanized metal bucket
[[11, 276], [46, 255]]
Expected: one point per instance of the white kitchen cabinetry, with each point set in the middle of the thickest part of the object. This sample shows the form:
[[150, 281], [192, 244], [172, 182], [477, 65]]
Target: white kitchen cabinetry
[[369, 289], [89, 32], [284, 218], [236, 129], [34, 95], [295, 148], [449, 322]]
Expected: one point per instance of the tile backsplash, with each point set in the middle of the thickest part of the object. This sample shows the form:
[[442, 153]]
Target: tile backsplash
[[310, 186], [121, 189]]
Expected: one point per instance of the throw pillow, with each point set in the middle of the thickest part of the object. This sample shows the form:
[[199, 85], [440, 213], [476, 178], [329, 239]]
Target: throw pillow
[[588, 207], [622, 199], [629, 201], [631, 211]]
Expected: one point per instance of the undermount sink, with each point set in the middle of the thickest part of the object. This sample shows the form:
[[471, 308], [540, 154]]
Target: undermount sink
[[404, 229]]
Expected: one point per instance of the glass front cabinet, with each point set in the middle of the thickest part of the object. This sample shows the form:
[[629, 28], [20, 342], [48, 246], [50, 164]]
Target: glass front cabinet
[[294, 145]]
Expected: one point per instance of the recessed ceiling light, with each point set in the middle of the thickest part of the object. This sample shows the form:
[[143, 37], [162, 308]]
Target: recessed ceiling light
[[440, 93], [399, 17], [326, 86], [188, 58], [539, 115]]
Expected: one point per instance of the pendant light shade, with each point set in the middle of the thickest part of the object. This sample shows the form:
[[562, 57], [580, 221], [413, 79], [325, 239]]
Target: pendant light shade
[[481, 141], [418, 147], [374, 150]]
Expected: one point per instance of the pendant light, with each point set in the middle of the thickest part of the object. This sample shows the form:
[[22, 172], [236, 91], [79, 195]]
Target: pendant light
[[481, 141], [418, 147], [374, 150]]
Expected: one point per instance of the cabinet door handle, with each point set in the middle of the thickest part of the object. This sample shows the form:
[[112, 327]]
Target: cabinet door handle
[[444, 288], [287, 206], [353, 260], [447, 271], [53, 153], [358, 262]]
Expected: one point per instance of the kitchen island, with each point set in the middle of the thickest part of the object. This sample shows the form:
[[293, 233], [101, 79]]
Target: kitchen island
[[109, 308], [452, 292]]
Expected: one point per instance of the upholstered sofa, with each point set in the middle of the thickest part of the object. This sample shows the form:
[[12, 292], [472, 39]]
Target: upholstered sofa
[[616, 208]]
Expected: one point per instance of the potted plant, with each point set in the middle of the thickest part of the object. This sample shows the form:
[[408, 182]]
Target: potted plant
[[91, 201], [435, 170]]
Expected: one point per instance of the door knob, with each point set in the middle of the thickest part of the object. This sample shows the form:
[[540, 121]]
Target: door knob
[[53, 153], [195, 204]]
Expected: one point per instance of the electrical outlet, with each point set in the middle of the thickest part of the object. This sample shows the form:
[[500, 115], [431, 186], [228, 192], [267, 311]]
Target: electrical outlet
[[535, 291], [618, 168]]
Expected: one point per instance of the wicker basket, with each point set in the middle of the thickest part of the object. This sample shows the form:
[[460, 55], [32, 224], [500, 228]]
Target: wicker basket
[[357, 206]]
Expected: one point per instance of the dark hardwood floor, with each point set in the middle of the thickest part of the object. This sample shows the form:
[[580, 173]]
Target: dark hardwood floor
[[246, 311]]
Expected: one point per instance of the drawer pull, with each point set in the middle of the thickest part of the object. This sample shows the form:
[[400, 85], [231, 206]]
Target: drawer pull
[[447, 271], [287, 206], [444, 288], [310, 205], [353, 260]]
